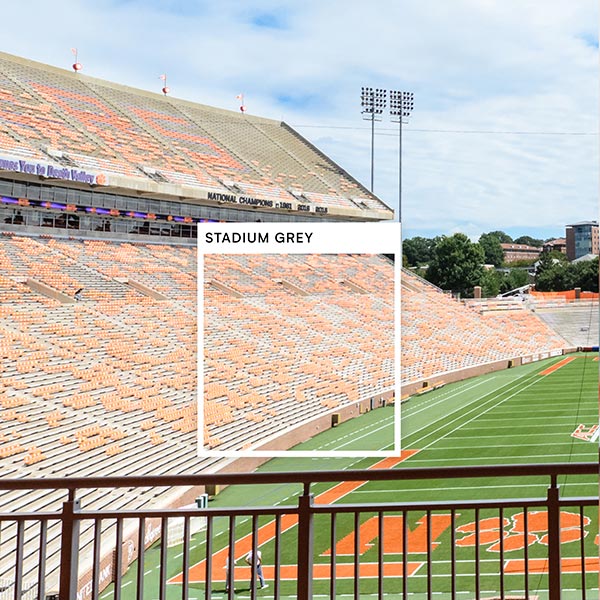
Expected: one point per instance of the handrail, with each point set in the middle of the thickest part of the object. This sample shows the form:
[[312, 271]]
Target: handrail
[[306, 477]]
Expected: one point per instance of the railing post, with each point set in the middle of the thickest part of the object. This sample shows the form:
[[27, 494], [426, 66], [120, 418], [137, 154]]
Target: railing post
[[69, 549], [305, 545], [554, 565]]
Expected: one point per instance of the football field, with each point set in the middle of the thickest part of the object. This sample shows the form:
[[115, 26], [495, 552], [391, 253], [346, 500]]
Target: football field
[[541, 412]]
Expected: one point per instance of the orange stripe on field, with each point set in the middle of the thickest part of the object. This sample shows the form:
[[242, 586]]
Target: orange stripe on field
[[540, 565], [558, 365], [267, 532], [320, 571], [346, 487], [391, 462]]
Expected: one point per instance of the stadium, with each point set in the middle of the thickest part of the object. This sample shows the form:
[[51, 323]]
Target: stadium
[[103, 190]]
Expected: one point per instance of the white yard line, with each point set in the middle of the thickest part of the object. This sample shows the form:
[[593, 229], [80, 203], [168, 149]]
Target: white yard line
[[567, 442], [427, 405], [476, 409], [511, 435]]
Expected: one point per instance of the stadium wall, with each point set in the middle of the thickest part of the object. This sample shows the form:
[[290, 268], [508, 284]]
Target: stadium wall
[[308, 430]]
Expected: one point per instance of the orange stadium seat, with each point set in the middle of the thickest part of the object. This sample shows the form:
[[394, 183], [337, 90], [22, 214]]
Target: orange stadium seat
[[458, 337]]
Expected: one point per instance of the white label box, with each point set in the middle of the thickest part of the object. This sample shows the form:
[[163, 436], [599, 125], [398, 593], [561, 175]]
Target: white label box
[[299, 238]]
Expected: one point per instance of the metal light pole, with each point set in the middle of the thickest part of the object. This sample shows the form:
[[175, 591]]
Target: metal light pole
[[373, 101], [401, 105]]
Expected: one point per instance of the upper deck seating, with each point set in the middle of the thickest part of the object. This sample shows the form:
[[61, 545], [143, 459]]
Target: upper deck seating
[[114, 129]]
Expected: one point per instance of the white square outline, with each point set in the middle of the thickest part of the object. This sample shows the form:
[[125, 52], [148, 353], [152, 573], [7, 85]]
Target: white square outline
[[356, 238]]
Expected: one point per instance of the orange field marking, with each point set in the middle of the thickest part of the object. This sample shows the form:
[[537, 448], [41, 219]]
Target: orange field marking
[[393, 532], [540, 565], [267, 532], [321, 571], [512, 531], [346, 487], [558, 365]]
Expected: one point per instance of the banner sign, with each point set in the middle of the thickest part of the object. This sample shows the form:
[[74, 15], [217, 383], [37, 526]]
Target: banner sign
[[262, 203], [51, 171]]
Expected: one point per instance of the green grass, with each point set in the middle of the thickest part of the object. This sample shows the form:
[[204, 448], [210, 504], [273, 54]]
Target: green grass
[[513, 416]]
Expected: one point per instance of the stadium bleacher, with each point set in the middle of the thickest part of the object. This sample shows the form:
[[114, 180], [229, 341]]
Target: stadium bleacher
[[107, 385], [576, 322], [321, 342], [440, 335], [124, 354]]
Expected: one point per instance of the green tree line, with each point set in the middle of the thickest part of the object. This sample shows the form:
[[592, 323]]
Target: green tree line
[[457, 264]]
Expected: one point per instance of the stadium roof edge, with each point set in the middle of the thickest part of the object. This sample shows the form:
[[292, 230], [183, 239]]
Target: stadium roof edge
[[151, 190], [325, 157], [120, 86]]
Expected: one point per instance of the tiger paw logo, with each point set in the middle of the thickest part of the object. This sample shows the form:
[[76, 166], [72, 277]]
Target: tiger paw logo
[[511, 533]]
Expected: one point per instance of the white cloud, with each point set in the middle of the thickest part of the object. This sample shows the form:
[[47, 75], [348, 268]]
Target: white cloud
[[493, 65]]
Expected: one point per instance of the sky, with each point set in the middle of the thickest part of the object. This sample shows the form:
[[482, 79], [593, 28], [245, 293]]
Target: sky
[[504, 132]]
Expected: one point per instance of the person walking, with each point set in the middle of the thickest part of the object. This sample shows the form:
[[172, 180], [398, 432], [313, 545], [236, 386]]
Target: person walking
[[259, 572]]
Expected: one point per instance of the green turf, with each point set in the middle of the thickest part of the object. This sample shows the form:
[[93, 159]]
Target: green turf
[[513, 416]]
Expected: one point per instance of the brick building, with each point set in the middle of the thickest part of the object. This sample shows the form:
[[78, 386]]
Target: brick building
[[559, 244], [514, 252]]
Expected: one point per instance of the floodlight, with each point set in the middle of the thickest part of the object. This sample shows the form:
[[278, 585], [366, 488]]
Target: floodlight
[[401, 105], [373, 103]]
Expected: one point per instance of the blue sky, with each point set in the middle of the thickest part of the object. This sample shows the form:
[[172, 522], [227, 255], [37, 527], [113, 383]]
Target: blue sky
[[504, 134]]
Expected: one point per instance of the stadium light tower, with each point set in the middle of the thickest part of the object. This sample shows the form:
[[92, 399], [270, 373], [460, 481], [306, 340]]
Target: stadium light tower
[[401, 105], [373, 101]]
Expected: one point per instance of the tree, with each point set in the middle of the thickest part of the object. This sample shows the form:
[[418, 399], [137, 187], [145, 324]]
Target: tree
[[556, 276], [456, 264], [522, 262], [490, 283], [552, 278], [557, 255], [529, 241], [545, 262], [417, 250], [518, 278], [551, 272], [503, 238], [514, 279], [490, 243], [584, 275]]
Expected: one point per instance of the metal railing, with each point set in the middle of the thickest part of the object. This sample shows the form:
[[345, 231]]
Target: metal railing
[[456, 548]]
